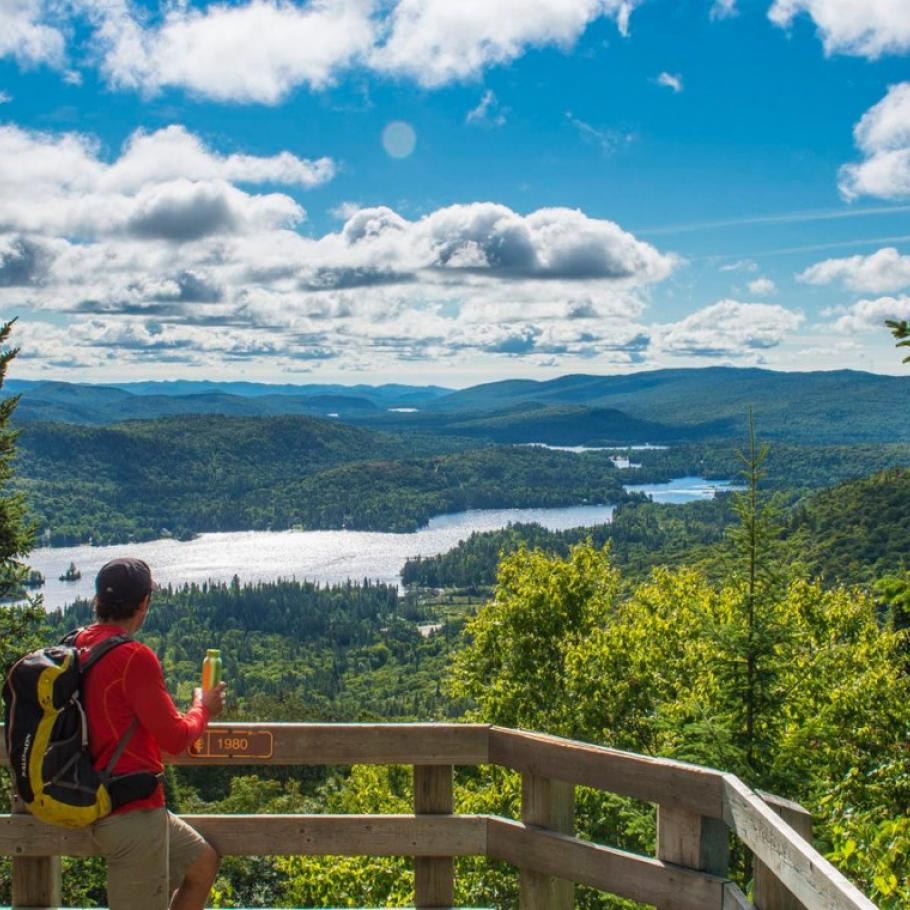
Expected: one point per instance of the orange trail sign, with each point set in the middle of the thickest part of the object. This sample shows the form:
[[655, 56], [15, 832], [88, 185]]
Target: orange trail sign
[[233, 743]]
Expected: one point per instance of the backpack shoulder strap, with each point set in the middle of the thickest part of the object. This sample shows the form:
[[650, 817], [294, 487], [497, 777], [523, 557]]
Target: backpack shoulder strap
[[98, 651], [94, 655], [70, 637], [121, 746]]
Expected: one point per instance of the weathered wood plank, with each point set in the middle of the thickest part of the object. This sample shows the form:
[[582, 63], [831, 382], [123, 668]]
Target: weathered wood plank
[[692, 840], [376, 744], [37, 881], [695, 841], [434, 877], [802, 869], [654, 780], [280, 835], [768, 892], [350, 744], [434, 789], [639, 878], [548, 804]]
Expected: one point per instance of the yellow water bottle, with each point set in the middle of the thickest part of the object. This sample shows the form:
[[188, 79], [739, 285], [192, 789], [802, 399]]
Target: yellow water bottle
[[211, 669]]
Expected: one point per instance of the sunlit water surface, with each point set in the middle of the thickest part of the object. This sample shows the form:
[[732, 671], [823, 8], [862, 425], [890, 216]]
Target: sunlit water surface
[[683, 489], [324, 556]]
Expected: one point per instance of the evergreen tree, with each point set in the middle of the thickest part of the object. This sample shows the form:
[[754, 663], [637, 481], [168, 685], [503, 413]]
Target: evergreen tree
[[19, 625], [747, 657], [893, 596], [900, 329]]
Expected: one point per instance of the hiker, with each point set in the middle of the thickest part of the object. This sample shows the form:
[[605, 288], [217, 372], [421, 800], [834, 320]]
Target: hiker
[[128, 686]]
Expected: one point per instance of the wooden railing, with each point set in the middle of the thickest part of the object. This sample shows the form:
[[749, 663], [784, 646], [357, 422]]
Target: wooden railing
[[697, 808]]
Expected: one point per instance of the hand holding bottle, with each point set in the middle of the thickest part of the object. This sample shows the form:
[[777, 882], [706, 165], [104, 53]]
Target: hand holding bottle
[[213, 698]]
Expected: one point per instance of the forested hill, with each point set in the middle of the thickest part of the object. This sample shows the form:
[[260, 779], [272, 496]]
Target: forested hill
[[682, 395], [817, 407], [147, 479], [565, 425], [101, 404], [851, 533], [195, 450], [857, 531], [666, 406]]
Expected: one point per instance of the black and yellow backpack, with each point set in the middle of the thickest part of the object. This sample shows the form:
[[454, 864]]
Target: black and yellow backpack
[[47, 738]]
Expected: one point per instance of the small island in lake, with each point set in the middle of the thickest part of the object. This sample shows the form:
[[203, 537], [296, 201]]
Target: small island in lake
[[71, 574], [34, 579]]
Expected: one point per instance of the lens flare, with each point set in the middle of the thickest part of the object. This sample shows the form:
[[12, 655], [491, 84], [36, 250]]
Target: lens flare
[[399, 139]]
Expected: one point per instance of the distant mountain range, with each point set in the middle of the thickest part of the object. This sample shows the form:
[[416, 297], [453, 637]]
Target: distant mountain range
[[100, 404], [662, 406], [390, 392]]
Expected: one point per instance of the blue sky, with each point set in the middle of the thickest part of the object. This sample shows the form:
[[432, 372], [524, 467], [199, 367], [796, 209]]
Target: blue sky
[[594, 186]]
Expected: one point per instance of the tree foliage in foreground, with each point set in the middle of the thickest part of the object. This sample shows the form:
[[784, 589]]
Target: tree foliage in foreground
[[900, 329], [20, 626], [797, 688], [665, 672]]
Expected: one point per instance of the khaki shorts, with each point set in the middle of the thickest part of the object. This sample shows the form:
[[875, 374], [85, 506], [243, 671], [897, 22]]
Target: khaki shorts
[[142, 859]]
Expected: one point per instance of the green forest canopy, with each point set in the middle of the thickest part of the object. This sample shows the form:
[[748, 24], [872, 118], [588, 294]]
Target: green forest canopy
[[741, 633], [568, 645], [186, 475]]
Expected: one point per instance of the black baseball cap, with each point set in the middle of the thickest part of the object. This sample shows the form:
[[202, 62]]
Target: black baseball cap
[[125, 580]]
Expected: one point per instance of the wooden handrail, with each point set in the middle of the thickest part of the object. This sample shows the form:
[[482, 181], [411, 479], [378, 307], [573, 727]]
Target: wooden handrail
[[693, 805], [652, 780], [629, 875], [347, 744], [280, 835], [802, 869]]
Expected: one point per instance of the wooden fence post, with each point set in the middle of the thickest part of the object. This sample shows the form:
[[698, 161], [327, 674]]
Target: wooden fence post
[[687, 839], [549, 804], [768, 893], [36, 879], [434, 877]]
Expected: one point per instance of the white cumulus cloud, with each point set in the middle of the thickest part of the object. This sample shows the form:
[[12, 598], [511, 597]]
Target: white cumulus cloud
[[437, 41], [161, 254], [163, 184], [253, 52], [488, 239], [27, 36], [870, 315], [174, 152], [883, 271], [259, 51], [729, 328], [762, 287], [883, 137], [865, 28]]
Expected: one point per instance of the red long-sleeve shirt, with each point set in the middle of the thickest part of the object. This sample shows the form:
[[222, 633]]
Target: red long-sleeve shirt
[[128, 683]]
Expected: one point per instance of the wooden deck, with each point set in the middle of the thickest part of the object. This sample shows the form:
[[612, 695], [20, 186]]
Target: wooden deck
[[697, 810]]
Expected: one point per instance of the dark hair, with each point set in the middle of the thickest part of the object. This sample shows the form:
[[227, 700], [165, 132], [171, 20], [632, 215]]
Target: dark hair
[[107, 610]]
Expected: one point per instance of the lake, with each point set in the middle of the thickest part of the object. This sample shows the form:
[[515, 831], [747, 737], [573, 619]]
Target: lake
[[645, 447], [324, 556], [683, 489]]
